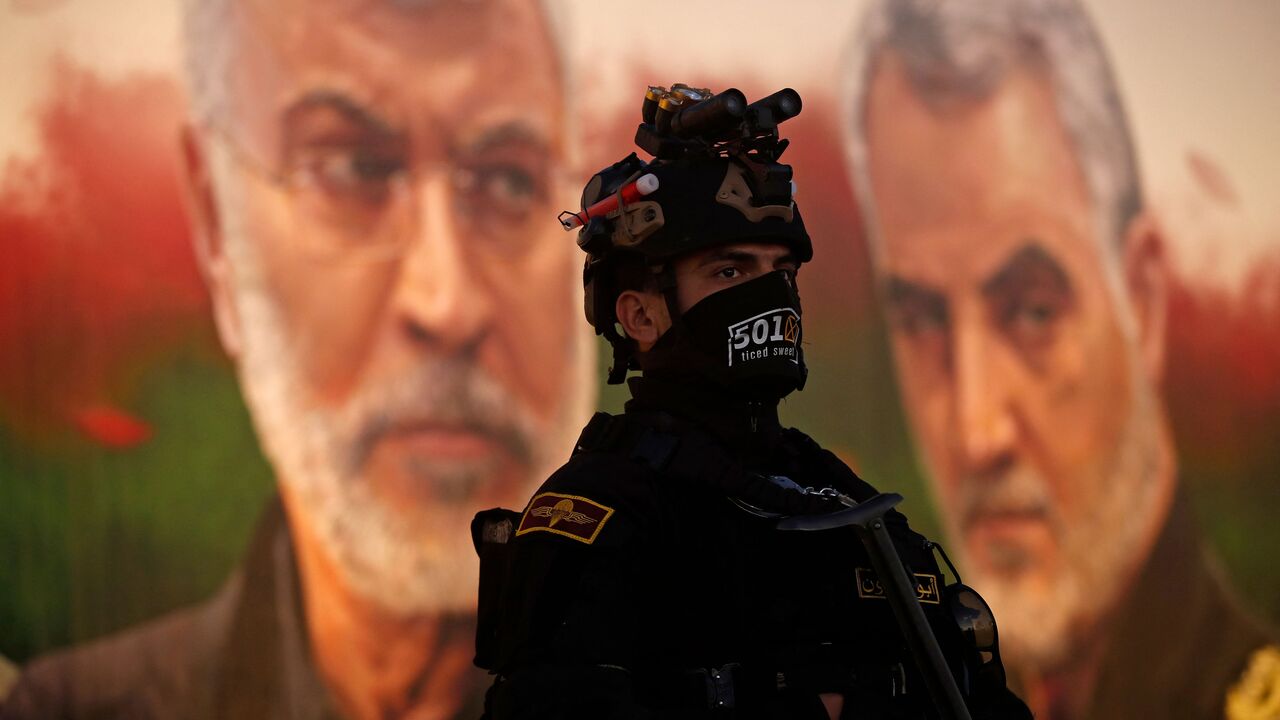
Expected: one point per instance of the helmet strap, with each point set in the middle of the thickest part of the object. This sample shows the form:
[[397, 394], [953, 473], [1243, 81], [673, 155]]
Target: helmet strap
[[667, 285], [623, 356]]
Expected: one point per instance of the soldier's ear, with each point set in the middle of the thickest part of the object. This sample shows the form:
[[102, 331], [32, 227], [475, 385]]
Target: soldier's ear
[[207, 238], [1146, 276], [643, 316]]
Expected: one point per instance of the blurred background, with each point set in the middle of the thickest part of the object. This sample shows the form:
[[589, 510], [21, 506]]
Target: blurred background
[[130, 476]]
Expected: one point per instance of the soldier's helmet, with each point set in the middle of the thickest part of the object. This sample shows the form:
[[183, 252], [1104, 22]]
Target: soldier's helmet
[[714, 179]]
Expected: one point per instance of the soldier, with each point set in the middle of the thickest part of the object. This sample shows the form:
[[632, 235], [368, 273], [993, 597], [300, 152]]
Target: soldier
[[648, 577]]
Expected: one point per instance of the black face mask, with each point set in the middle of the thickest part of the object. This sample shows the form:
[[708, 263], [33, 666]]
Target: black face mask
[[745, 338]]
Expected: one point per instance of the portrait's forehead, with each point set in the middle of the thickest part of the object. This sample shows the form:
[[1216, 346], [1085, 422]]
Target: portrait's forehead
[[409, 27], [474, 60], [969, 256], [958, 188]]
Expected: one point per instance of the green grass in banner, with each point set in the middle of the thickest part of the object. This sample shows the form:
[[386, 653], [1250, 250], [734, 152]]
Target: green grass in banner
[[1240, 520], [100, 539]]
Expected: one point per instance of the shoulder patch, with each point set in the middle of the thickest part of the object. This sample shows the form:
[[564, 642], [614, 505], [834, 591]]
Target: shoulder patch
[[572, 516], [1256, 695]]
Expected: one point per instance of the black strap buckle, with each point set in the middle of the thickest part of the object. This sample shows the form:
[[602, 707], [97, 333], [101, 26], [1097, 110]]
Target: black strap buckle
[[719, 682]]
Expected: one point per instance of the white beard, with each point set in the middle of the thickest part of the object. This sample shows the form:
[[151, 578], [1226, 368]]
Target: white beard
[[1041, 629], [408, 560]]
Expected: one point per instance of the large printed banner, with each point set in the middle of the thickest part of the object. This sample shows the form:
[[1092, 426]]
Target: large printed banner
[[283, 303]]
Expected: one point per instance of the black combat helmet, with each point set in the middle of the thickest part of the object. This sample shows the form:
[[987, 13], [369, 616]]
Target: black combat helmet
[[714, 180]]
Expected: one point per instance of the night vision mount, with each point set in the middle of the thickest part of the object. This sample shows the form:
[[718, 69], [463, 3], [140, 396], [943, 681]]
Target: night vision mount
[[687, 123], [684, 120]]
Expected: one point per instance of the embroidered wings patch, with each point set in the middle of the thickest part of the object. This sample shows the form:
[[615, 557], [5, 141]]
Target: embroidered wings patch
[[572, 516]]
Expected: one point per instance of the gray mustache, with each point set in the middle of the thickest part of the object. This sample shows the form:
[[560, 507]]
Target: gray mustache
[[450, 392], [1015, 491]]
